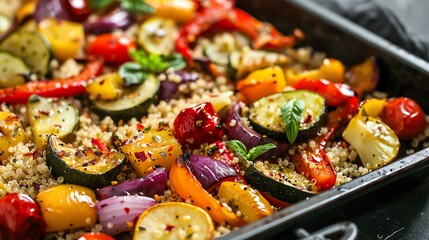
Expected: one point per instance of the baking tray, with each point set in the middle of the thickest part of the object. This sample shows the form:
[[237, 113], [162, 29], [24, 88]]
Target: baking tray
[[401, 74]]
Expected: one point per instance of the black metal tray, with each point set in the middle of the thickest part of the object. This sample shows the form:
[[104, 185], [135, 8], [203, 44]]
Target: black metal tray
[[401, 74]]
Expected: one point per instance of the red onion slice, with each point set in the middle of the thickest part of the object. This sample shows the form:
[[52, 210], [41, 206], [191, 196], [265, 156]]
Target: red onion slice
[[235, 129], [154, 183], [116, 213], [208, 171], [116, 20]]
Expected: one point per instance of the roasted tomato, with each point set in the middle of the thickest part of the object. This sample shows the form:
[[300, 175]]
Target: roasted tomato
[[95, 236], [20, 218], [113, 48], [197, 125], [405, 117]]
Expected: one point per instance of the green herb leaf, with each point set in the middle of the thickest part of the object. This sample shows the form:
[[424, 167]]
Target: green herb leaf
[[238, 147], [292, 113], [157, 63], [132, 73], [136, 6], [259, 150], [175, 60], [100, 4]]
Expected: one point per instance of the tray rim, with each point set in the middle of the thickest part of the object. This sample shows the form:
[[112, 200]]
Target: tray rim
[[400, 168]]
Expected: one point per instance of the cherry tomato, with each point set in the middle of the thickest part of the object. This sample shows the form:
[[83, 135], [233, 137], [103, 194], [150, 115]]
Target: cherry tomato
[[405, 117], [20, 218], [95, 236], [197, 125], [113, 48]]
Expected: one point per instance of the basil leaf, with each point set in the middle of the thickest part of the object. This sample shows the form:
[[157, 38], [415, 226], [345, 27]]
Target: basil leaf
[[258, 150], [132, 73], [292, 113], [136, 6], [156, 63], [100, 4], [238, 147], [175, 60]]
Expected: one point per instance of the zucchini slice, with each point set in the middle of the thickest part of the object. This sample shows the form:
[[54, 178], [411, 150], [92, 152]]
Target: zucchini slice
[[32, 48], [134, 102], [282, 183], [266, 118], [91, 168], [51, 116], [13, 70]]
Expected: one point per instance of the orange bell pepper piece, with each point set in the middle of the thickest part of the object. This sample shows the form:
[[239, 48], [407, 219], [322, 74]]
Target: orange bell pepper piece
[[189, 188], [261, 83]]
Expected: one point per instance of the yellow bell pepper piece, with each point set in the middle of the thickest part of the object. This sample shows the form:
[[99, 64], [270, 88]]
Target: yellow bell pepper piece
[[178, 10], [106, 87], [331, 69], [11, 133], [252, 205], [67, 206], [65, 37], [156, 147]]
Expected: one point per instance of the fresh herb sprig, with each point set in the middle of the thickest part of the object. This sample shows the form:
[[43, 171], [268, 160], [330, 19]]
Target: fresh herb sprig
[[253, 153], [292, 113], [136, 72], [132, 6]]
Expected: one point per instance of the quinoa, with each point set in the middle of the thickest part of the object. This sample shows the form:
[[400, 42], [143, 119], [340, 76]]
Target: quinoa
[[26, 170]]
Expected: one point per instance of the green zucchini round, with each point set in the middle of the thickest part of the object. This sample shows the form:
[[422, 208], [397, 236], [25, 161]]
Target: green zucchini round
[[33, 48], [13, 71], [91, 168], [265, 114], [291, 186], [134, 102]]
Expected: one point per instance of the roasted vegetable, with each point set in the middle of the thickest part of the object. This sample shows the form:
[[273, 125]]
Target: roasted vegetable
[[133, 102], [374, 141], [11, 133], [91, 168], [261, 83], [155, 147], [32, 48], [67, 206], [66, 38], [14, 71], [20, 218], [51, 116], [280, 182], [252, 205], [269, 116], [189, 188]]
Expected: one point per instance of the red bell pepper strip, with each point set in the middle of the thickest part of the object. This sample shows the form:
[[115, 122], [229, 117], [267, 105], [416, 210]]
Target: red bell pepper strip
[[54, 88], [262, 34], [313, 162]]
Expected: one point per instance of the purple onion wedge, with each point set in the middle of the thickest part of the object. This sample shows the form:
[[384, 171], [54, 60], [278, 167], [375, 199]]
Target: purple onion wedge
[[208, 171], [235, 129], [115, 20], [116, 213], [154, 183], [52, 9], [170, 86]]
